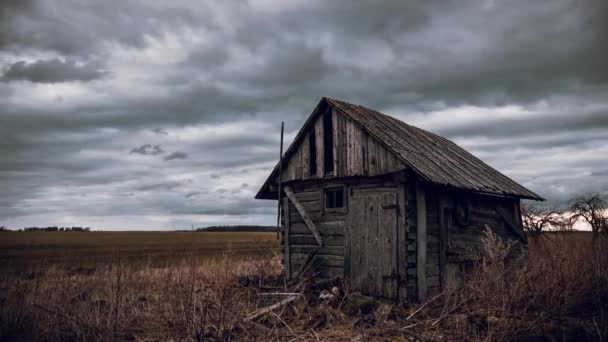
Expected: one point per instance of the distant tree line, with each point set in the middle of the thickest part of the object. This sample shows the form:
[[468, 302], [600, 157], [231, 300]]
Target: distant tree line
[[53, 229], [590, 208], [239, 228]]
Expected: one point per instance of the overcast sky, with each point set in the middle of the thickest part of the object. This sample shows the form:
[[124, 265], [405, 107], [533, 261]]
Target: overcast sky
[[166, 114]]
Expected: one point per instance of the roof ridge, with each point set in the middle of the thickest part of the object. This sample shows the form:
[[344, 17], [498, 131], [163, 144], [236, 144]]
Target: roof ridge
[[444, 153], [433, 157]]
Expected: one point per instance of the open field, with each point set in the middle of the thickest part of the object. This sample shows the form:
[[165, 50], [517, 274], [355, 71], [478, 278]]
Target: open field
[[26, 250], [200, 286]]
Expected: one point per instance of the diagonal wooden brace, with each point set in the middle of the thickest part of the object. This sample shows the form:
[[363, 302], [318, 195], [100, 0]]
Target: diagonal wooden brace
[[304, 214]]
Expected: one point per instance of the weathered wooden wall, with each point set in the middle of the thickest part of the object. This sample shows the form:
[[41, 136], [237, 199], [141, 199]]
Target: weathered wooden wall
[[333, 259], [452, 245], [452, 248], [329, 259], [355, 153], [433, 236]]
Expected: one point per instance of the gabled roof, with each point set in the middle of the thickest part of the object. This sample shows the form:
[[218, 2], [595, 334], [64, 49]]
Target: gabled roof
[[432, 157]]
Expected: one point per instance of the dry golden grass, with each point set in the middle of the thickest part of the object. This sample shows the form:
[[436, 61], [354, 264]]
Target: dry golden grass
[[128, 285], [559, 292]]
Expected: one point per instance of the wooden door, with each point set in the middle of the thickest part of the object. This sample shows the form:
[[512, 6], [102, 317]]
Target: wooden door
[[373, 242]]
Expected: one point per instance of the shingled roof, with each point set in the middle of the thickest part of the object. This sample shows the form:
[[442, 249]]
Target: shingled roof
[[432, 157]]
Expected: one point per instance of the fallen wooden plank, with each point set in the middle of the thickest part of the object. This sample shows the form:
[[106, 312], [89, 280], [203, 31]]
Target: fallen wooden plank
[[382, 312], [259, 312], [304, 214]]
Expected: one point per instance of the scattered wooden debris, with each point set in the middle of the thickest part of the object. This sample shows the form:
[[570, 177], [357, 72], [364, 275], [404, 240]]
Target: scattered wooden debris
[[290, 297], [382, 312]]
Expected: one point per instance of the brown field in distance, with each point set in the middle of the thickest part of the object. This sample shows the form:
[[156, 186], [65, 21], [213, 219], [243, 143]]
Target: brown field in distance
[[23, 250]]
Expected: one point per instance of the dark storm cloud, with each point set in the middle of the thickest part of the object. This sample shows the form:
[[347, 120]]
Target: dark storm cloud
[[72, 28], [521, 84], [169, 185], [603, 173], [540, 124], [160, 131], [176, 155], [194, 194], [51, 71], [148, 150]]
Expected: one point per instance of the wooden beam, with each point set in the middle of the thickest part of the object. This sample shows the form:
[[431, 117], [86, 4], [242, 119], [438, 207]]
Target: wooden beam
[[304, 214], [444, 219], [287, 232], [280, 180], [421, 238], [269, 308], [348, 233], [402, 242]]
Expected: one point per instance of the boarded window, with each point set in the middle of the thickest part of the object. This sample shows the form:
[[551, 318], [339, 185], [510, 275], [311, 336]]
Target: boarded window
[[328, 143], [334, 198], [312, 154]]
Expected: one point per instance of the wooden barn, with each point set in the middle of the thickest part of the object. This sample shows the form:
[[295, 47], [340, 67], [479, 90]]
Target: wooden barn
[[394, 210]]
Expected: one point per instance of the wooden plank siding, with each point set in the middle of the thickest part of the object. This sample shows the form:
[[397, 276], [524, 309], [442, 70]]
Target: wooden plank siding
[[318, 128], [356, 153], [435, 158], [452, 244], [447, 250], [334, 230], [411, 283], [304, 157], [433, 230], [301, 210], [285, 240], [421, 242], [328, 261]]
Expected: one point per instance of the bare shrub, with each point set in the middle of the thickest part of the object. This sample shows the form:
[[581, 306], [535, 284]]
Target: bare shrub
[[593, 208], [553, 292], [537, 220]]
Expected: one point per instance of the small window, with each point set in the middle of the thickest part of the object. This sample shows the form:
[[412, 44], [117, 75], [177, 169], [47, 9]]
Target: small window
[[334, 198], [312, 154]]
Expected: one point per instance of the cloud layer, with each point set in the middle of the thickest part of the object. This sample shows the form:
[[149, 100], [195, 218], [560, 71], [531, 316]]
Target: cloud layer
[[154, 115], [50, 71]]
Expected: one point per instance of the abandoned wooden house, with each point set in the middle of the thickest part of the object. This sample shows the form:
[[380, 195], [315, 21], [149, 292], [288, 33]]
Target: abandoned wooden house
[[392, 209]]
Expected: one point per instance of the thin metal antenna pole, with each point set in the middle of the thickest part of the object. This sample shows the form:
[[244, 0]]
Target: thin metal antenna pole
[[280, 181]]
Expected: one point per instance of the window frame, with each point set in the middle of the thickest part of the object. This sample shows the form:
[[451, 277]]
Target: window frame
[[334, 188]]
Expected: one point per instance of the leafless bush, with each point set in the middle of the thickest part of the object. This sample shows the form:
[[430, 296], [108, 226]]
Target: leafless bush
[[592, 208], [537, 220], [553, 292]]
